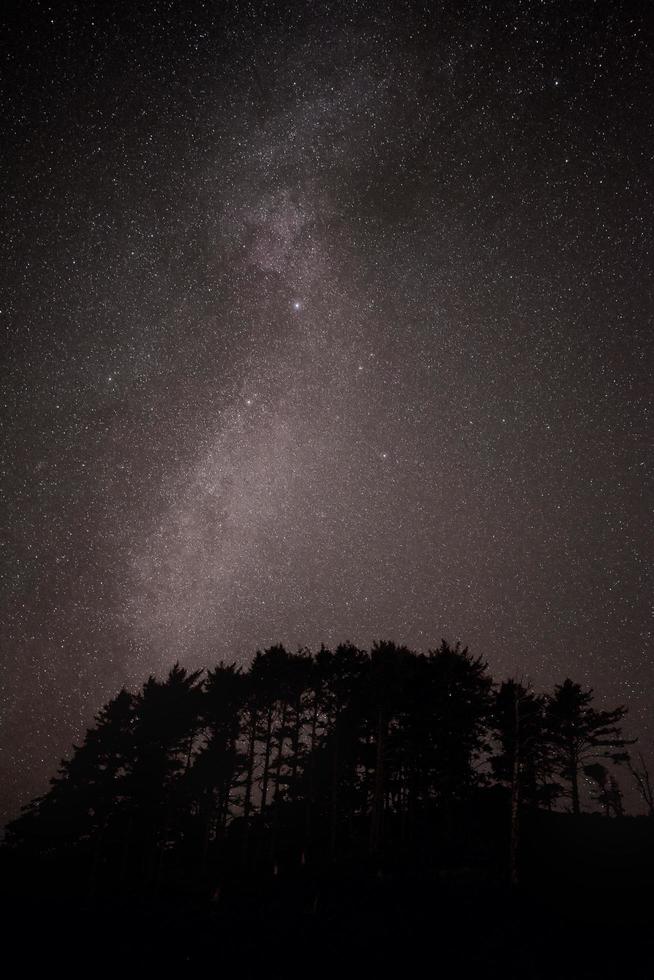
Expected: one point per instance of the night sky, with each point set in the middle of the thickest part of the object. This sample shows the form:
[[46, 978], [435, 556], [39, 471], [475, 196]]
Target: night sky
[[323, 321]]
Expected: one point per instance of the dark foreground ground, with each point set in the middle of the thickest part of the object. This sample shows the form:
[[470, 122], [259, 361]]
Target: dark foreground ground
[[585, 910]]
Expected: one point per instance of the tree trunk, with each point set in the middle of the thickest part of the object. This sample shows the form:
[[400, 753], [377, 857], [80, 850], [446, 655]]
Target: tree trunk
[[206, 836], [377, 818], [297, 731], [643, 783], [312, 765], [266, 762], [333, 830], [249, 777], [515, 799], [279, 760], [124, 857], [280, 753], [574, 781]]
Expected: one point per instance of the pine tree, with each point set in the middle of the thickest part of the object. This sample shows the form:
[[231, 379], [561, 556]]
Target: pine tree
[[218, 762], [166, 727], [580, 735], [85, 805], [523, 762]]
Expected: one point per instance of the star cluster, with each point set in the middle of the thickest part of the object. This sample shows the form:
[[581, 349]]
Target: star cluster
[[323, 322]]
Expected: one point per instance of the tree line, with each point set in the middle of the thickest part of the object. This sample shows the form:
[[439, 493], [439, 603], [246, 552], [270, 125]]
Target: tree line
[[340, 755]]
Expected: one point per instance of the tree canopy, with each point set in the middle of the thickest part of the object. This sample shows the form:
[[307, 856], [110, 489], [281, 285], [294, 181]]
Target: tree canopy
[[345, 754]]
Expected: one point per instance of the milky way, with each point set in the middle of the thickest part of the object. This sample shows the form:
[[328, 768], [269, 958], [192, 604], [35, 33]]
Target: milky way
[[324, 323]]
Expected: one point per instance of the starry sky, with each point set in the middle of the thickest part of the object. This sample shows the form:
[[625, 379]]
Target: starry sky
[[323, 321]]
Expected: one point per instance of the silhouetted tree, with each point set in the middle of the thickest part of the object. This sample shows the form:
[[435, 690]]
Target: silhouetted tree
[[86, 801], [343, 754], [459, 715], [608, 793], [579, 734], [268, 679], [166, 726], [218, 763], [385, 681], [643, 782], [522, 763], [294, 680]]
